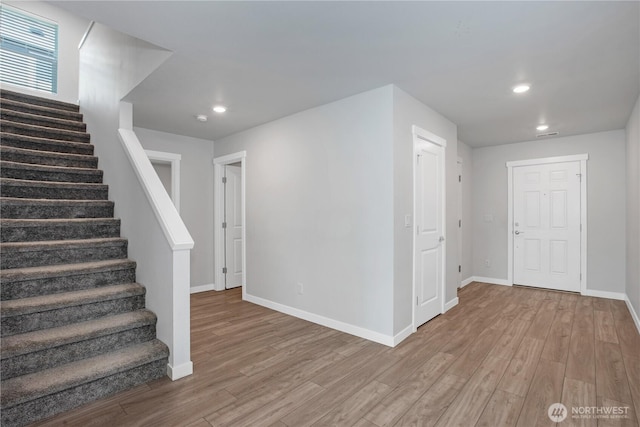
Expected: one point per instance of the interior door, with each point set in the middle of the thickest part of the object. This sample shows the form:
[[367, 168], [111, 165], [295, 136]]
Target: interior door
[[546, 236], [429, 241], [233, 226]]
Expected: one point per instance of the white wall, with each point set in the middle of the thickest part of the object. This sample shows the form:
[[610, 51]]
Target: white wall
[[408, 111], [633, 209], [319, 188], [111, 65], [196, 194], [465, 153], [71, 28], [605, 204]]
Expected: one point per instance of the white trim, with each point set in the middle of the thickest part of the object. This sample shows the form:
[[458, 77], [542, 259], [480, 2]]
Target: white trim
[[466, 281], [604, 294], [173, 160], [86, 34], [348, 328], [450, 304], [491, 280], [582, 158], [180, 371], [634, 315], [402, 335], [218, 214], [421, 134], [202, 288]]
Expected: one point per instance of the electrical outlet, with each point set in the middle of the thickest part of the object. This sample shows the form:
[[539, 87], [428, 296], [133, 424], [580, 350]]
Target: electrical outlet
[[300, 288], [487, 263]]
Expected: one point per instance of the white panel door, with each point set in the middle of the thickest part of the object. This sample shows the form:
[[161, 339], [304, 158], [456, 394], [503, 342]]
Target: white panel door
[[429, 242], [546, 224], [233, 229]]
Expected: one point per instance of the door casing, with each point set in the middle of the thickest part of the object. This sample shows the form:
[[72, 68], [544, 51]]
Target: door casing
[[582, 158]]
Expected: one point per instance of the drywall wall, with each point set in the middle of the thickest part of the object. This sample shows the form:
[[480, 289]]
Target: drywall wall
[[111, 64], [164, 173], [633, 209], [71, 28], [196, 194], [319, 212], [605, 204], [408, 111], [465, 154]]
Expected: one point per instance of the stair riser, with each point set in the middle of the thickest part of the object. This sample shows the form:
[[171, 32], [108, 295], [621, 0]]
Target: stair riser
[[15, 211], [49, 103], [94, 176], [34, 159], [14, 289], [67, 315], [43, 192], [48, 122], [49, 358], [20, 141], [15, 259], [30, 109], [29, 412], [61, 135], [59, 232]]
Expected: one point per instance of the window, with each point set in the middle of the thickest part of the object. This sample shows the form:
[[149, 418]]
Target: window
[[28, 50]]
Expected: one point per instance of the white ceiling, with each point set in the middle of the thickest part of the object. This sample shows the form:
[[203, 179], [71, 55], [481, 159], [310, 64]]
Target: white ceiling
[[266, 60]]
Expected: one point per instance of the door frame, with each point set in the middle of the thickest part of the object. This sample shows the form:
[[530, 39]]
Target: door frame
[[582, 158], [218, 215], [420, 134], [172, 159]]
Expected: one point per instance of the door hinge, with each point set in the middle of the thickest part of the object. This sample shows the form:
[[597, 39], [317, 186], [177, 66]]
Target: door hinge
[[459, 178], [417, 300], [224, 270], [580, 227], [418, 158], [579, 175], [581, 277], [224, 225], [224, 179], [417, 229], [459, 269], [459, 223]]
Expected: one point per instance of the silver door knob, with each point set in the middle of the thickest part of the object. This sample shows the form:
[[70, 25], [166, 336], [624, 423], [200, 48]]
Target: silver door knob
[[441, 239], [518, 232]]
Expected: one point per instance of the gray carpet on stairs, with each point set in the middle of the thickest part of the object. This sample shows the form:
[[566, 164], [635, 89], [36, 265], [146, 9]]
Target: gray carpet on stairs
[[73, 322]]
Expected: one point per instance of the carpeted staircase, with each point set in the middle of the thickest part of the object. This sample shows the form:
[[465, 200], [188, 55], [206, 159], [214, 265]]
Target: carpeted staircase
[[73, 323]]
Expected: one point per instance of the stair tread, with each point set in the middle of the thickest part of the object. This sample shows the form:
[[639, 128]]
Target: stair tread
[[28, 342], [58, 244], [45, 110], [43, 153], [51, 168], [44, 119], [38, 100], [22, 201], [21, 306], [32, 386], [39, 221], [44, 129], [53, 184], [63, 269], [46, 141]]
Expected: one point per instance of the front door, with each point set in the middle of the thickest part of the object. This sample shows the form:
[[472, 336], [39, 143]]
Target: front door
[[546, 225], [233, 226], [429, 241]]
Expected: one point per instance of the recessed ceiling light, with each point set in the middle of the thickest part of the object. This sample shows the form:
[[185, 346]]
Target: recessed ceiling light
[[521, 88], [219, 108], [201, 118], [542, 127]]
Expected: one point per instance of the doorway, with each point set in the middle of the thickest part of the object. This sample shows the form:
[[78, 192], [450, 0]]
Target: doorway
[[167, 166], [547, 223], [429, 238], [229, 220]]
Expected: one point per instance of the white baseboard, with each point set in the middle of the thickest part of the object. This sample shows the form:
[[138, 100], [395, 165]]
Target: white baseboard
[[450, 304], [180, 371], [634, 315], [202, 288], [466, 281], [491, 280], [348, 328], [402, 335], [605, 294]]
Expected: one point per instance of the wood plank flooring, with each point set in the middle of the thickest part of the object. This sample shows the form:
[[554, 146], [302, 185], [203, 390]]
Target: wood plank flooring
[[499, 358]]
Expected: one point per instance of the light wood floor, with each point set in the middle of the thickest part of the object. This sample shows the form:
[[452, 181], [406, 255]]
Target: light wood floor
[[499, 358]]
